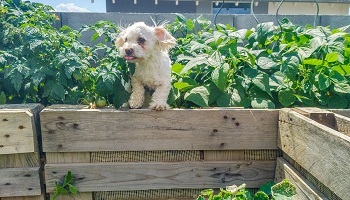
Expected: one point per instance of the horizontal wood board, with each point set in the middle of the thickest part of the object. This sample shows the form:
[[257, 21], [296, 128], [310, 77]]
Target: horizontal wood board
[[322, 151], [161, 175], [19, 182], [86, 130], [305, 190], [41, 197]]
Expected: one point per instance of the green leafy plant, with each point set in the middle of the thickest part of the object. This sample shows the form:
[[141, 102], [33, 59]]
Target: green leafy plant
[[66, 187], [213, 66], [264, 67], [269, 191], [39, 63]]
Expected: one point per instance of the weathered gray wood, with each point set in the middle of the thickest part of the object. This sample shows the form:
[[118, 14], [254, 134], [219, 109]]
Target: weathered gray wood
[[321, 116], [305, 190], [19, 182], [342, 124], [19, 160], [41, 197], [18, 130], [79, 130], [70, 158], [322, 151], [161, 175], [344, 112]]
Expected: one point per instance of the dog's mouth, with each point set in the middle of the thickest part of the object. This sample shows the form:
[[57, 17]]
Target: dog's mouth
[[129, 57]]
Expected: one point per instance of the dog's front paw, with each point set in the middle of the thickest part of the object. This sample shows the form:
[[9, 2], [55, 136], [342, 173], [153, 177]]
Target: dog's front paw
[[158, 106], [135, 103]]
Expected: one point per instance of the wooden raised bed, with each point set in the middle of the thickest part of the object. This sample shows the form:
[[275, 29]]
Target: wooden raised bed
[[158, 155], [19, 153], [174, 154], [317, 143]]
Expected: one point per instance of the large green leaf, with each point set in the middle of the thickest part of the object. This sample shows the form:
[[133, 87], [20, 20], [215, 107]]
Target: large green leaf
[[58, 92], [220, 76], [342, 87], [338, 102], [332, 57], [286, 97], [2, 98], [185, 83], [17, 80], [177, 67], [262, 81], [195, 61], [260, 195], [198, 95], [284, 190], [262, 103], [342, 69], [312, 61], [323, 81], [266, 63]]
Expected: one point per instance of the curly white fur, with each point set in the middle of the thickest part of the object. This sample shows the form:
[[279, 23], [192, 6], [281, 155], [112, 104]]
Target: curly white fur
[[148, 47]]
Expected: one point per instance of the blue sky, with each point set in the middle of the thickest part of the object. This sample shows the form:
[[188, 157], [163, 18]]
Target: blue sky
[[75, 5]]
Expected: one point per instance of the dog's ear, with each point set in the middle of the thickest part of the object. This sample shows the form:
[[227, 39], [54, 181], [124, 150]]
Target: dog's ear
[[165, 39], [120, 40]]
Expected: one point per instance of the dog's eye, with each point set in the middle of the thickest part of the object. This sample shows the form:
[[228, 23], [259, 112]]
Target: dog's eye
[[141, 40], [126, 39]]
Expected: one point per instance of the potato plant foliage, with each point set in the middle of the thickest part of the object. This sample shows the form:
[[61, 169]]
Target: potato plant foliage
[[39, 63], [213, 65], [265, 67]]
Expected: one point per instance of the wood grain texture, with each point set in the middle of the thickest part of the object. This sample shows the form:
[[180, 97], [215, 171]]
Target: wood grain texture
[[19, 182], [342, 124], [157, 175], [41, 197], [19, 128], [344, 112], [16, 133], [305, 190], [82, 130], [321, 116], [69, 158], [322, 151]]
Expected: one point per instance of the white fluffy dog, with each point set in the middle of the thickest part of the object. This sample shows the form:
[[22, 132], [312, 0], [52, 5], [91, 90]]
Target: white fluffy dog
[[148, 47]]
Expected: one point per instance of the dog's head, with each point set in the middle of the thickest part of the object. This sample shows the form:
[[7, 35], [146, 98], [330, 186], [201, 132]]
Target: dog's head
[[140, 41]]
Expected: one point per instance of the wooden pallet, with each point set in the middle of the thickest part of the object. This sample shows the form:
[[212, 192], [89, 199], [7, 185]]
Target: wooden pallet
[[20, 167]]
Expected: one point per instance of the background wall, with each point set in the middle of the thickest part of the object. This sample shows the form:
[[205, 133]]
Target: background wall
[[76, 20], [310, 8]]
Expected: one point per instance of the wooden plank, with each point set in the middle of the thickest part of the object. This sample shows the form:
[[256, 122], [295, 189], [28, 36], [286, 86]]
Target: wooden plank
[[17, 134], [344, 112], [19, 128], [19, 160], [41, 197], [86, 130], [52, 158], [20, 182], [322, 151], [321, 116], [161, 175], [305, 190], [342, 124]]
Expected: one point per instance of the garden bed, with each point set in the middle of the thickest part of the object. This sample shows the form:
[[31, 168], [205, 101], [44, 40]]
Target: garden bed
[[145, 154]]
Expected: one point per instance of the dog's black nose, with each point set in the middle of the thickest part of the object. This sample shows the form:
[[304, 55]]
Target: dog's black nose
[[129, 52]]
